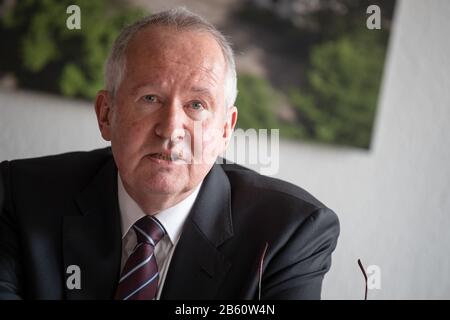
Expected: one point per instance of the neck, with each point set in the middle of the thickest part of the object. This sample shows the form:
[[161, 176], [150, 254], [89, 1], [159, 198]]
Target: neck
[[152, 203]]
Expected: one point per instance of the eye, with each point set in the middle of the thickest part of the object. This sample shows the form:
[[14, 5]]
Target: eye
[[150, 98], [196, 105]]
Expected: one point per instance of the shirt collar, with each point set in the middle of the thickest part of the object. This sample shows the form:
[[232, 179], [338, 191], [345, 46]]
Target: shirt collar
[[172, 218]]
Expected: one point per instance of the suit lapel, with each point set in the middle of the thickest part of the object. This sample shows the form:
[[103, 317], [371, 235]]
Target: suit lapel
[[92, 241], [198, 268]]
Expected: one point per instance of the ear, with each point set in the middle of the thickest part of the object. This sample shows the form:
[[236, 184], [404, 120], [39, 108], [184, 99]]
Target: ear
[[230, 122], [103, 110]]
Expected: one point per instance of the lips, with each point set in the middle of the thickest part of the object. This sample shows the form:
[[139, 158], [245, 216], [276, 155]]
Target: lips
[[174, 156]]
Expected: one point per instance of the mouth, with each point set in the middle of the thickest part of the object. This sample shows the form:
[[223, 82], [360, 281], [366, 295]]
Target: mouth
[[174, 156]]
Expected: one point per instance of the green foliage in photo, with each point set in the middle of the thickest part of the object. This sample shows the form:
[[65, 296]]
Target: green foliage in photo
[[46, 55], [256, 101], [339, 101]]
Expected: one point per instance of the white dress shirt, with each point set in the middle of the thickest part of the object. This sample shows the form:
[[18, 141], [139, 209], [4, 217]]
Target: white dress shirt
[[172, 219]]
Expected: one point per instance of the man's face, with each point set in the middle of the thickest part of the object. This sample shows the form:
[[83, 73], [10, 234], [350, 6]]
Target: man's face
[[167, 122]]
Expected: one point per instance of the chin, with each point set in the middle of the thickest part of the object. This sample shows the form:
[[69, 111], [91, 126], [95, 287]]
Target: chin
[[163, 185]]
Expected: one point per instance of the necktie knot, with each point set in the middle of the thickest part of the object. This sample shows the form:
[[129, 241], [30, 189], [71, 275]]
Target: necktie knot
[[149, 230]]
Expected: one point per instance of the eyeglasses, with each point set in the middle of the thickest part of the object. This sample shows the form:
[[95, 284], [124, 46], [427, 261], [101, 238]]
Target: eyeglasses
[[365, 277]]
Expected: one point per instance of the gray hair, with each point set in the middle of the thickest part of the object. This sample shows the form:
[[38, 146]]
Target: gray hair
[[183, 20]]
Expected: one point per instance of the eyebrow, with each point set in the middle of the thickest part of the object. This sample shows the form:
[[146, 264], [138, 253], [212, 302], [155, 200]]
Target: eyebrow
[[202, 90], [135, 89], [195, 89]]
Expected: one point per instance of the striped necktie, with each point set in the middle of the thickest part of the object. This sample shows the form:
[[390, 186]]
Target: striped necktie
[[139, 278]]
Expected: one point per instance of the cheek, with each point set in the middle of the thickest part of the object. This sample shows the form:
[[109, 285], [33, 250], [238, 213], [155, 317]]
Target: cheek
[[209, 135], [210, 141], [129, 122], [138, 130], [211, 130], [130, 133]]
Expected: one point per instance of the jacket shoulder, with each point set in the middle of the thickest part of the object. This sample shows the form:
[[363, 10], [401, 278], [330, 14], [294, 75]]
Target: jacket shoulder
[[296, 225], [269, 187], [72, 163], [51, 175]]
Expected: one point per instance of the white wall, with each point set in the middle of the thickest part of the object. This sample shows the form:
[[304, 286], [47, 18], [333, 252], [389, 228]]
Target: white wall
[[393, 201], [34, 124]]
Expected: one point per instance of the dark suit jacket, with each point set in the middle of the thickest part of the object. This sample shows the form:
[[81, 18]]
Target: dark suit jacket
[[63, 210]]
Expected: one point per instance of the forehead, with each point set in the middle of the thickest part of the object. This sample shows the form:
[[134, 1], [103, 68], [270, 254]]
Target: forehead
[[167, 52]]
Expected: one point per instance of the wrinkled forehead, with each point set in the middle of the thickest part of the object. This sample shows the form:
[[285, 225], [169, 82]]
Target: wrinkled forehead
[[182, 51]]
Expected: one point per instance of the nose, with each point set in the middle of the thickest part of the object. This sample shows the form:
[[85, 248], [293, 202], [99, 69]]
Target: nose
[[170, 123]]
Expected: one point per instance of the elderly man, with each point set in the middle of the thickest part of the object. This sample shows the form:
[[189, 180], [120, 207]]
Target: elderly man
[[153, 217]]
